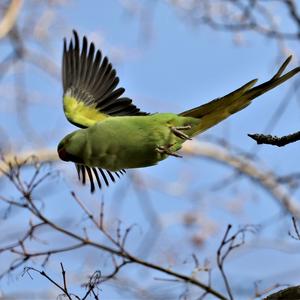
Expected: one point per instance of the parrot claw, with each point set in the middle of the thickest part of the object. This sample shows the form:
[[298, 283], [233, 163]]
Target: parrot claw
[[177, 131], [166, 150]]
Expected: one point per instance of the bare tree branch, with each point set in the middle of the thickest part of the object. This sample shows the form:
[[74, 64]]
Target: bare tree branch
[[266, 179], [274, 140], [10, 17], [118, 249], [288, 293], [228, 244]]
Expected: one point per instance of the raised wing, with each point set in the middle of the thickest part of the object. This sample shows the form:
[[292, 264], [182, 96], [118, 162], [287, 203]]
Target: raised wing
[[90, 86]]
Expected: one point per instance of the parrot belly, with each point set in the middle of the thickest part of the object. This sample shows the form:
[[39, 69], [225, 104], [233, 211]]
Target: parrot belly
[[132, 142]]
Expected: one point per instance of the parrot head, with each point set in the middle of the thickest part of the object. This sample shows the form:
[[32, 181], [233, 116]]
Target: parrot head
[[71, 146]]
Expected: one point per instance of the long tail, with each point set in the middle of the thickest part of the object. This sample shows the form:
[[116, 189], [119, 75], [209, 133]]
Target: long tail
[[219, 109]]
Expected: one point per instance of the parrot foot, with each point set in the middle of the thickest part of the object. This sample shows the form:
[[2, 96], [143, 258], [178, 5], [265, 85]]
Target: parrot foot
[[177, 131], [166, 150]]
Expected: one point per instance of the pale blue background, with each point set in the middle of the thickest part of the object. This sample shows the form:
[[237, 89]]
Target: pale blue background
[[177, 67]]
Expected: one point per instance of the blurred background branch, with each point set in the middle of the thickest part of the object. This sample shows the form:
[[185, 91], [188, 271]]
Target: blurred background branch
[[10, 18], [171, 55]]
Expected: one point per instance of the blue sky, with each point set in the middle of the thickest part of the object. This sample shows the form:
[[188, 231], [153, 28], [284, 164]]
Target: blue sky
[[178, 67]]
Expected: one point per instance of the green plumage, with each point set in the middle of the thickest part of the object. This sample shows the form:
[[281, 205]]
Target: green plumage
[[128, 142], [115, 134]]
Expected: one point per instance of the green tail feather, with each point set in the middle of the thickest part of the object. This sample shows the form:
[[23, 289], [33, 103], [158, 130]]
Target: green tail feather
[[219, 109]]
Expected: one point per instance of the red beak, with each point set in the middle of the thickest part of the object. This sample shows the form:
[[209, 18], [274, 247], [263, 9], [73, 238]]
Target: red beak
[[63, 155]]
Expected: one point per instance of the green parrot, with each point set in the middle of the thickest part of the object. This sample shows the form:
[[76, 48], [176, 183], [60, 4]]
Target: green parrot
[[114, 134]]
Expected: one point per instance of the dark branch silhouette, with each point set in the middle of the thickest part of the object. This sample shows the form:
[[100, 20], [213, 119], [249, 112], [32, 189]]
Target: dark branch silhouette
[[274, 140]]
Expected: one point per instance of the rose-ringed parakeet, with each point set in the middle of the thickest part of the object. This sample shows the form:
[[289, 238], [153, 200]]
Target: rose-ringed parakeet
[[115, 135]]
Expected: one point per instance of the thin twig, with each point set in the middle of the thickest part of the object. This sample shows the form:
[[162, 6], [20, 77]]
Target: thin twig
[[274, 140]]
